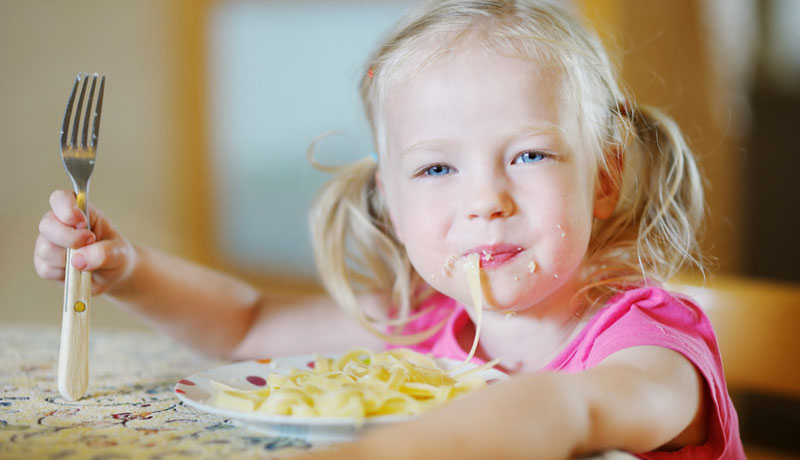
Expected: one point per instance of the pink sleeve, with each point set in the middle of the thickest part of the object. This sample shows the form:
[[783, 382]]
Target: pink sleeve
[[652, 316]]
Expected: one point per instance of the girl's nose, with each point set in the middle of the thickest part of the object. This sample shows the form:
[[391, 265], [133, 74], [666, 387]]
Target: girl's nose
[[490, 202]]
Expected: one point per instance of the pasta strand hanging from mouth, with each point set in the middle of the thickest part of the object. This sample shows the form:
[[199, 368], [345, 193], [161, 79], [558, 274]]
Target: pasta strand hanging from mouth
[[473, 269]]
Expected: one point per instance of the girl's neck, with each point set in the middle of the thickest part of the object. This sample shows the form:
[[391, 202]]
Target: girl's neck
[[527, 340]]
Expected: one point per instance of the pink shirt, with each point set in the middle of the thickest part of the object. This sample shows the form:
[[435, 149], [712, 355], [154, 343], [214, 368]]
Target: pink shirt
[[644, 316]]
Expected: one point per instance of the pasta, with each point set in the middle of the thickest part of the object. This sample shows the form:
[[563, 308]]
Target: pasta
[[473, 268], [359, 384], [362, 383]]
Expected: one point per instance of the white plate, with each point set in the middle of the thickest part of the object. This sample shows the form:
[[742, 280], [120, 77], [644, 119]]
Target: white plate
[[195, 390]]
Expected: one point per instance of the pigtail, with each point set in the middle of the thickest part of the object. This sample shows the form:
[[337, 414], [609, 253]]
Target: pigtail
[[355, 249], [672, 208], [654, 231]]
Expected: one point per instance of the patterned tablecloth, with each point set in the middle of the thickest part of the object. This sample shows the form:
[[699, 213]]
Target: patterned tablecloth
[[130, 410]]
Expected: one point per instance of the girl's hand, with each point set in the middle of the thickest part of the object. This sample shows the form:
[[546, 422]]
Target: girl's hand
[[103, 250]]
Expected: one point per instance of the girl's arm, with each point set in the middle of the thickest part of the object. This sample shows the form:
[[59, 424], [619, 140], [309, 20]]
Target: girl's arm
[[200, 307], [213, 312], [221, 315], [638, 400]]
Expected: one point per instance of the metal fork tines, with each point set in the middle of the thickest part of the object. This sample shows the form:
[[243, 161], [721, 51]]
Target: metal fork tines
[[78, 156]]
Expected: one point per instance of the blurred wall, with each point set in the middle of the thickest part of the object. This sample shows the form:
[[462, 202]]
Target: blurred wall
[[152, 167], [669, 54], [43, 45]]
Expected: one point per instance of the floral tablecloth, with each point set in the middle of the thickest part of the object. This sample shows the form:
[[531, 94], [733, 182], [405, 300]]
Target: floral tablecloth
[[130, 410]]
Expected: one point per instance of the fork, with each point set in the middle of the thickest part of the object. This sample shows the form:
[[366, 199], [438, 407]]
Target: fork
[[78, 159]]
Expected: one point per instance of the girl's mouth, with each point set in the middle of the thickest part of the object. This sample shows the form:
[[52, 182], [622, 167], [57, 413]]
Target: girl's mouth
[[495, 255]]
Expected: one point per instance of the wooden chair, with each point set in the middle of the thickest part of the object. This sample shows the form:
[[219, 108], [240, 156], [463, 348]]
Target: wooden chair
[[757, 323]]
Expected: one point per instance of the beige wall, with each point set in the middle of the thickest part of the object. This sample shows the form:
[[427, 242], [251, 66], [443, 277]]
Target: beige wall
[[43, 44]]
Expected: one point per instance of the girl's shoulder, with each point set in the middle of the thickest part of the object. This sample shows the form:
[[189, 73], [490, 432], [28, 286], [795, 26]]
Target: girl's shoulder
[[647, 315], [652, 301]]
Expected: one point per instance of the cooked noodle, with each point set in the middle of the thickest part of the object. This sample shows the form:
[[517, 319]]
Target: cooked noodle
[[359, 384], [362, 383]]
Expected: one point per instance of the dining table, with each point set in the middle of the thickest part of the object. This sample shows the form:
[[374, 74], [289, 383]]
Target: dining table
[[130, 409]]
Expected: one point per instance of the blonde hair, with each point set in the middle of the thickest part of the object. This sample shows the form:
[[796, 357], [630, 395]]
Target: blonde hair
[[653, 230]]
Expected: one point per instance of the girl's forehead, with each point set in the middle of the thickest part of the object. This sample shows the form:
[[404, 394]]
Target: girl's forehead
[[480, 86], [445, 50], [444, 57], [443, 53]]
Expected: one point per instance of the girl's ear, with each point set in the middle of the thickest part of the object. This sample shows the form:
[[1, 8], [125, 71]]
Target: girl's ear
[[382, 190], [609, 182]]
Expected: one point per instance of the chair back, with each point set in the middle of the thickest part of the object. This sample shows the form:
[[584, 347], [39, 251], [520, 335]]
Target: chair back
[[757, 324]]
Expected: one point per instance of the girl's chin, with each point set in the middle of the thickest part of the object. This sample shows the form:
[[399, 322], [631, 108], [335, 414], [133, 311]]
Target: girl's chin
[[499, 294], [502, 307], [493, 304], [505, 297]]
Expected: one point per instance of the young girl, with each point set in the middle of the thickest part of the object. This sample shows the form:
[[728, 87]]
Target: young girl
[[501, 131]]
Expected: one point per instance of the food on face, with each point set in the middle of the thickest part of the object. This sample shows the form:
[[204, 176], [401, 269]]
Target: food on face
[[532, 266], [447, 269]]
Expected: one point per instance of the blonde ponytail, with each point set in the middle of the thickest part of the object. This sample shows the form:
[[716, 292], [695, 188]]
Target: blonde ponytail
[[672, 209], [654, 231]]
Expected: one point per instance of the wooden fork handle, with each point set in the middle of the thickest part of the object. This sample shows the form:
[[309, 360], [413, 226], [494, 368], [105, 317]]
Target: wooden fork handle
[[73, 355]]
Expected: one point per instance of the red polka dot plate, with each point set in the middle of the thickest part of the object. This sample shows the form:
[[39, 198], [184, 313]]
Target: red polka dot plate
[[196, 391]]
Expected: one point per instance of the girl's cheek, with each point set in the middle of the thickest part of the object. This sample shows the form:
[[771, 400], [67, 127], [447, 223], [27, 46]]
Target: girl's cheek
[[572, 244]]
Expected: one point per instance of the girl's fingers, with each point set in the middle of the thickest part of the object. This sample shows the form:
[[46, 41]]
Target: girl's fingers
[[48, 259], [105, 255], [65, 209], [61, 234], [49, 273], [49, 253]]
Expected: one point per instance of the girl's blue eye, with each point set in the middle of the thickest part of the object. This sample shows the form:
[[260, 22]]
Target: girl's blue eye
[[531, 156], [437, 170]]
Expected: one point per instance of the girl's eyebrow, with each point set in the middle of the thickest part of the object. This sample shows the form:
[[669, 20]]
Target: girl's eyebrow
[[555, 134], [428, 144], [538, 129], [543, 129]]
